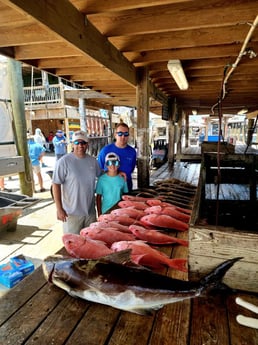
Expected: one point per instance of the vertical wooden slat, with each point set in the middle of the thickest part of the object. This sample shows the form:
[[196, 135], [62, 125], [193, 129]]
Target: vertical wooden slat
[[143, 152]]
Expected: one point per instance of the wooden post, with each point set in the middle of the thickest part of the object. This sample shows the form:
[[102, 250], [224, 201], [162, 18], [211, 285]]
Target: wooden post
[[179, 135], [187, 130], [171, 146], [20, 131], [250, 125], [110, 133], [82, 113], [143, 151]]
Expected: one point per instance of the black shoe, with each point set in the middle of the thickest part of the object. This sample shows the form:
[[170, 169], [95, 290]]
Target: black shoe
[[42, 190]]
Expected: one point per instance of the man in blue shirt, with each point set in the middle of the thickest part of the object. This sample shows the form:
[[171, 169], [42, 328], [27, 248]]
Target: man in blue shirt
[[36, 152], [125, 152], [60, 144]]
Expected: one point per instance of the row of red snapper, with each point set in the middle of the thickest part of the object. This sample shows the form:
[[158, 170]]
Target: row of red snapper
[[136, 225]]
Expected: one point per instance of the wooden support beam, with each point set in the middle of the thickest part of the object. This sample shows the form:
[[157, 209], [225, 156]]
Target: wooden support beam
[[17, 98], [77, 32]]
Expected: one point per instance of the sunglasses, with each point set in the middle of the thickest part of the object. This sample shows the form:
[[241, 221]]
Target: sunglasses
[[80, 142], [120, 134], [115, 163]]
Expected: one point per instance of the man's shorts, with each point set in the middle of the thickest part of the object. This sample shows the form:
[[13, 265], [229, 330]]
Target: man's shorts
[[36, 169]]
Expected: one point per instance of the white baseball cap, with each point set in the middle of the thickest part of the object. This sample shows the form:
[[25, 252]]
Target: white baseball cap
[[112, 156], [79, 135]]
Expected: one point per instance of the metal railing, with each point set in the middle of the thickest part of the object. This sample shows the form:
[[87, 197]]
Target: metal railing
[[40, 95]]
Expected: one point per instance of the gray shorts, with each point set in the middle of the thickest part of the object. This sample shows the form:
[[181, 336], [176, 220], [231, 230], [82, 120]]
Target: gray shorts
[[74, 224]]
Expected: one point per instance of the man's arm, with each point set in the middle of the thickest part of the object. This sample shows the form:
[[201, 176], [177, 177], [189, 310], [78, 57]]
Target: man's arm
[[61, 213]]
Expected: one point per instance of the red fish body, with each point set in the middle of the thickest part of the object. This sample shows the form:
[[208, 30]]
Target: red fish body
[[139, 205], [105, 217], [113, 224], [80, 247], [100, 224], [153, 202], [164, 221], [125, 220], [168, 210], [107, 235], [127, 197], [173, 212], [154, 236], [144, 255], [129, 211], [180, 209], [156, 209]]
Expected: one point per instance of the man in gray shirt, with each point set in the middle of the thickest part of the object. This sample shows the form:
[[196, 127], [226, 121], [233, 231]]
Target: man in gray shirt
[[74, 181]]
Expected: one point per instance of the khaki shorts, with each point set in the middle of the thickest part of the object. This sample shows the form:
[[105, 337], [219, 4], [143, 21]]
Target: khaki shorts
[[36, 169], [74, 224]]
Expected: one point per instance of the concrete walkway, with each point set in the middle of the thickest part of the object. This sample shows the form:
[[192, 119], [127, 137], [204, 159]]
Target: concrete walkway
[[38, 233]]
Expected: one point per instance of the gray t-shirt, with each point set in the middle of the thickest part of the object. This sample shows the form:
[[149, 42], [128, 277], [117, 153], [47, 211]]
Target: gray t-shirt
[[77, 177]]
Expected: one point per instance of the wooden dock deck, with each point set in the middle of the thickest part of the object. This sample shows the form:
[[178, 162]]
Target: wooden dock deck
[[35, 312]]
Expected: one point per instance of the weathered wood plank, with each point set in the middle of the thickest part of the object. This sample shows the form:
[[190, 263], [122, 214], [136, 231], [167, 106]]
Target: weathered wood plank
[[96, 326], [209, 246], [209, 326], [19, 295], [172, 325], [132, 329], [60, 323], [27, 319]]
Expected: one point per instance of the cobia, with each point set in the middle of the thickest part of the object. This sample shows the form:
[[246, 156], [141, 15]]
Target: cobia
[[113, 281]]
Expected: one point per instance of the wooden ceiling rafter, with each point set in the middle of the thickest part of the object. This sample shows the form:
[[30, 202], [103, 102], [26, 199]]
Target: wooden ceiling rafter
[[122, 35]]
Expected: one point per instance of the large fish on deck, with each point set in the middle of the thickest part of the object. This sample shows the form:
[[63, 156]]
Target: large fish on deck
[[113, 281]]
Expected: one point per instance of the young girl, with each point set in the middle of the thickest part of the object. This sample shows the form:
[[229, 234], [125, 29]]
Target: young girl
[[110, 186]]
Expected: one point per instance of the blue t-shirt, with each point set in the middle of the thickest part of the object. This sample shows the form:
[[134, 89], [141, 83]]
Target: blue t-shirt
[[35, 150], [127, 157], [60, 147], [111, 188]]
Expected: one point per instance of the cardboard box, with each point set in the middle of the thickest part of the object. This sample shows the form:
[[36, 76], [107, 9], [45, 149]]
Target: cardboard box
[[10, 276], [21, 264]]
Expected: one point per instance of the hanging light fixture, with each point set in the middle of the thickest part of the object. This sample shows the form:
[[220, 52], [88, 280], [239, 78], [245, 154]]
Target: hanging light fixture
[[176, 70]]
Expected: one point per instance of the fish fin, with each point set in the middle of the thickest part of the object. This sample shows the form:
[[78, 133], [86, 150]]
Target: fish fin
[[122, 257], [137, 258], [145, 311], [213, 280], [119, 257], [179, 264]]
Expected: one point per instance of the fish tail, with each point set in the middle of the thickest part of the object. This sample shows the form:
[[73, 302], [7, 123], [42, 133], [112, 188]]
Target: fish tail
[[178, 264], [213, 280], [184, 243]]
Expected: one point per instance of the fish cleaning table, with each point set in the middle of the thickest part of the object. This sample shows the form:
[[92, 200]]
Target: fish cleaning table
[[35, 312]]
